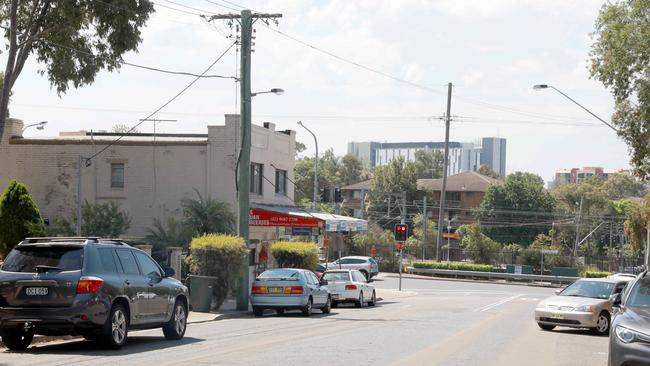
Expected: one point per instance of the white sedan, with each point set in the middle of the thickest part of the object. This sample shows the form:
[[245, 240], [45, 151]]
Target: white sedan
[[349, 285]]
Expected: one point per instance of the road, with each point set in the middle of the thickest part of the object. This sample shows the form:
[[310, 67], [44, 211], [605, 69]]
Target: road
[[433, 323]]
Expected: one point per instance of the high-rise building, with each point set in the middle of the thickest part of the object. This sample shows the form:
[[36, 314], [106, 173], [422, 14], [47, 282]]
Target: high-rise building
[[463, 156], [577, 175]]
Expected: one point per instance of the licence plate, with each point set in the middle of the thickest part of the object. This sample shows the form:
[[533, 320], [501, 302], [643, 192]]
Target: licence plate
[[36, 291], [275, 290], [557, 316]]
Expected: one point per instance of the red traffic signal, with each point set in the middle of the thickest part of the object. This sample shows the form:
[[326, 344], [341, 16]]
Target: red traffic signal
[[401, 232]]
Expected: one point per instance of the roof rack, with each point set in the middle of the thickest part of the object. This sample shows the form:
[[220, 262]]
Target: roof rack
[[59, 238]]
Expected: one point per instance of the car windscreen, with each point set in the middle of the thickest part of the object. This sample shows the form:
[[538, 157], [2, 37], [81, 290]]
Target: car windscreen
[[337, 276], [640, 295], [593, 289], [27, 258], [279, 274]]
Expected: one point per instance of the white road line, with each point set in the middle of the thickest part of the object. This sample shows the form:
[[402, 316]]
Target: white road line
[[498, 303]]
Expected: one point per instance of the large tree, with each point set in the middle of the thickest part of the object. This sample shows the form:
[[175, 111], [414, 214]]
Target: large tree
[[398, 176], [620, 59], [517, 210], [622, 185], [72, 40], [19, 216], [428, 164]]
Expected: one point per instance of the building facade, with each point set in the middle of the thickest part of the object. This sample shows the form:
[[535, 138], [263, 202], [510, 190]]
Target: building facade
[[463, 157], [148, 175], [577, 175]]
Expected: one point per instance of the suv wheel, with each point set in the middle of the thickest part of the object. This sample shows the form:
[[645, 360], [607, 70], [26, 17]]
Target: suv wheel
[[18, 341], [175, 327], [116, 328]]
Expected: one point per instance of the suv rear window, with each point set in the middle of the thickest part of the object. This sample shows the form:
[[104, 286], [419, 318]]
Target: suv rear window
[[25, 259]]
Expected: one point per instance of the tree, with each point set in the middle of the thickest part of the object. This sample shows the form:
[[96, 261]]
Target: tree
[[351, 170], [635, 223], [488, 172], [622, 185], [300, 147], [123, 128], [105, 220], [19, 216], [414, 243], [73, 40], [398, 176], [517, 210], [207, 216], [428, 164], [479, 247], [170, 234], [620, 59], [590, 191]]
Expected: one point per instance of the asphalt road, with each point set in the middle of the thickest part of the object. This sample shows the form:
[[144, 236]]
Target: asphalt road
[[434, 323]]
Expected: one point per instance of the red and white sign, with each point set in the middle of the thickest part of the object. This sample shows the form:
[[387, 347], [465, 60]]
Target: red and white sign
[[399, 246], [266, 218]]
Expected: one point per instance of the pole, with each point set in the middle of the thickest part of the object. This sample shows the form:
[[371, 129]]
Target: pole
[[575, 245], [401, 252], [448, 239], [79, 195], [424, 227], [313, 202], [441, 209], [647, 244], [245, 152]]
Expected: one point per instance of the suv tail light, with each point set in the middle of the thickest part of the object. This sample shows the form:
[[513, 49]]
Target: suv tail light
[[350, 287], [294, 290], [89, 285], [259, 290]]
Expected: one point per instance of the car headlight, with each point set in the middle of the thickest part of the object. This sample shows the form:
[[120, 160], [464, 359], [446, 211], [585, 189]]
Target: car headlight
[[627, 335], [584, 308]]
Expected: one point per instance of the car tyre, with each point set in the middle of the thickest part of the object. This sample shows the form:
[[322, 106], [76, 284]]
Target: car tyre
[[307, 309], [258, 311], [335, 304], [18, 341], [359, 303], [373, 299], [176, 326], [328, 306], [603, 323], [116, 328], [546, 326]]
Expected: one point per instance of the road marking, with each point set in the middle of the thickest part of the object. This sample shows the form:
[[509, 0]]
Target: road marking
[[498, 303]]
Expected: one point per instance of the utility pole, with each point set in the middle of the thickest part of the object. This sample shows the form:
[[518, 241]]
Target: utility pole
[[443, 192], [246, 19], [401, 252], [424, 227], [575, 245], [79, 164]]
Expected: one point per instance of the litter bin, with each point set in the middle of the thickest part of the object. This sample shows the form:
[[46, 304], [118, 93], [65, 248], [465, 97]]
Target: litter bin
[[201, 292]]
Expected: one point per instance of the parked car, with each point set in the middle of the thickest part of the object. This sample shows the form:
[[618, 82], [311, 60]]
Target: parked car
[[289, 289], [366, 265], [320, 269], [349, 285], [629, 340], [86, 286], [586, 303]]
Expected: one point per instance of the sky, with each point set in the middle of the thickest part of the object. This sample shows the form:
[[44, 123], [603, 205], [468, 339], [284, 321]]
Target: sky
[[492, 51]]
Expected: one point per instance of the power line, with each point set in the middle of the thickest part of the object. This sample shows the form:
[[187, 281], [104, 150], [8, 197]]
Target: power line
[[223, 6], [162, 106], [175, 9], [201, 11]]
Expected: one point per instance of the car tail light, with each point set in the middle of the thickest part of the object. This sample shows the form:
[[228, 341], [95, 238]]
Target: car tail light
[[259, 290], [350, 287], [89, 285], [294, 290]]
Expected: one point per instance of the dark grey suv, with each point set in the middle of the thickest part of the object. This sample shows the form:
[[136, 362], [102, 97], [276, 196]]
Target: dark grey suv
[[97, 288]]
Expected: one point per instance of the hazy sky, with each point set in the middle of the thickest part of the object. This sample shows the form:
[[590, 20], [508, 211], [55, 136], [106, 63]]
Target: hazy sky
[[493, 51]]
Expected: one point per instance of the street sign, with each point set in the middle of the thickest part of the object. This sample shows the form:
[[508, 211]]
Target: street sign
[[451, 236], [399, 246]]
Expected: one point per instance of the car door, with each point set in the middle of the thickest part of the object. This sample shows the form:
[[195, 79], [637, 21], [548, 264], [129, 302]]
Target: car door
[[158, 299], [136, 286], [360, 279], [315, 288]]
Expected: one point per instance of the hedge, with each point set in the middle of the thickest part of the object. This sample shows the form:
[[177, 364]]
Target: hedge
[[295, 254], [458, 266], [220, 256], [596, 274]]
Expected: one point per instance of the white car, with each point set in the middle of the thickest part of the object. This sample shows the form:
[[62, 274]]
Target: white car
[[366, 265], [349, 285]]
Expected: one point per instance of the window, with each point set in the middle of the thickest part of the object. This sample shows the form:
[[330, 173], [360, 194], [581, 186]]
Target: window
[[452, 196], [26, 258], [257, 174], [108, 260], [117, 175], [149, 267], [281, 182], [128, 262]]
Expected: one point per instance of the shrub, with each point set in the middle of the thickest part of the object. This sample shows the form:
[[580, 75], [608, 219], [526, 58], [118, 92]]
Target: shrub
[[295, 254], [457, 266], [106, 219], [19, 216], [220, 256], [596, 274], [480, 248]]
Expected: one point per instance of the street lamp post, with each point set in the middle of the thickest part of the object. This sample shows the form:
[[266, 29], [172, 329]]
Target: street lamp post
[[545, 86], [39, 126], [313, 204]]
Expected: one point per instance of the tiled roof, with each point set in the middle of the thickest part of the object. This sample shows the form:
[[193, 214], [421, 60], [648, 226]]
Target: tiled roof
[[466, 181]]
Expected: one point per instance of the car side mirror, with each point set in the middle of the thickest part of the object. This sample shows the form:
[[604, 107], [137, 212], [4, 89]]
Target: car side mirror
[[169, 272], [323, 282], [615, 299], [557, 292]]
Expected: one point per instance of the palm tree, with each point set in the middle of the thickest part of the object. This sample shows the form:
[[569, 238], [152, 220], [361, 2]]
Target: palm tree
[[206, 216]]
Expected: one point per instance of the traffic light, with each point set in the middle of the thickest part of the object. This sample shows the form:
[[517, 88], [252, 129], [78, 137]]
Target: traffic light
[[325, 195], [401, 232], [337, 195]]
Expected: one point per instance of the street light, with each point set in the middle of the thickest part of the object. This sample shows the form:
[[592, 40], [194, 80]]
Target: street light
[[545, 86], [276, 91], [39, 125], [313, 204]]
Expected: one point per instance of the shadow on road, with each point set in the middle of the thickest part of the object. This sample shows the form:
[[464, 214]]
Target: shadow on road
[[135, 344], [578, 332]]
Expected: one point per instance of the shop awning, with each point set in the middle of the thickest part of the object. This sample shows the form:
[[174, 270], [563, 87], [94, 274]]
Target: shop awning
[[291, 216]]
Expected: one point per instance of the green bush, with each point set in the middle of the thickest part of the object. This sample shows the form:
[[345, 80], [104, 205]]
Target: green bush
[[220, 256], [457, 266], [19, 217], [596, 274], [295, 254]]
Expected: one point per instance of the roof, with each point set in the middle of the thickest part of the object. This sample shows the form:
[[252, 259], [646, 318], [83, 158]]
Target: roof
[[463, 182], [363, 185], [130, 139]]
